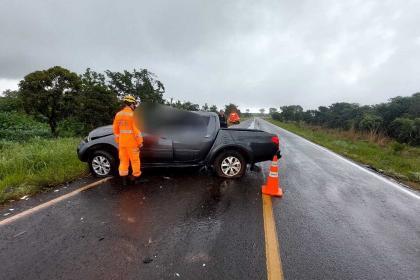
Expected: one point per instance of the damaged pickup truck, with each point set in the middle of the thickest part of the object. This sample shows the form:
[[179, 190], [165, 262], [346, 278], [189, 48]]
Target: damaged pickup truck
[[182, 139]]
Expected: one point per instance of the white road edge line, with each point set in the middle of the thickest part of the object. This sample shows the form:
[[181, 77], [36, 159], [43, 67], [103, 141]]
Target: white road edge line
[[252, 125], [399, 187], [52, 202]]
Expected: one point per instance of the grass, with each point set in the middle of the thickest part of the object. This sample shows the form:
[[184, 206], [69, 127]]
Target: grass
[[397, 160], [27, 168]]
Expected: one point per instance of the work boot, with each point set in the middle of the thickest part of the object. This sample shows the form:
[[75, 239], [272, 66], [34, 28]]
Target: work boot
[[124, 180], [136, 180]]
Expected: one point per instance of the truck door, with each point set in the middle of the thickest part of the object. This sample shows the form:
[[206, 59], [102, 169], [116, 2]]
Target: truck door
[[156, 149], [190, 139]]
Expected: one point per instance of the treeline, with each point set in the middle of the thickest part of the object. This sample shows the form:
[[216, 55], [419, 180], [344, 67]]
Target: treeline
[[399, 118], [59, 102]]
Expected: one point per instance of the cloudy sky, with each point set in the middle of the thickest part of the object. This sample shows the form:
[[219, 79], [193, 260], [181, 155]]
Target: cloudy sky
[[252, 53]]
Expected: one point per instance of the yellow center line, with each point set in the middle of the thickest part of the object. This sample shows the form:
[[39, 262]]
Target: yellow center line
[[51, 202], [272, 249]]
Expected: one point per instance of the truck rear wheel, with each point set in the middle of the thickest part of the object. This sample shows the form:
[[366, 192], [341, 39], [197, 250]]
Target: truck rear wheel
[[230, 164]]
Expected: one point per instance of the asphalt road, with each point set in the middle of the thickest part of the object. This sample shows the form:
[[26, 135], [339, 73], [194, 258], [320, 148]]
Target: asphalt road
[[336, 220]]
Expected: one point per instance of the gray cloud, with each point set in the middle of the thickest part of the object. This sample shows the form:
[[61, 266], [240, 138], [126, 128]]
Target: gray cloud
[[253, 53]]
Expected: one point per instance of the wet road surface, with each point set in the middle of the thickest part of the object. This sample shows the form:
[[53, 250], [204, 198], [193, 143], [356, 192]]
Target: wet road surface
[[340, 221], [335, 221]]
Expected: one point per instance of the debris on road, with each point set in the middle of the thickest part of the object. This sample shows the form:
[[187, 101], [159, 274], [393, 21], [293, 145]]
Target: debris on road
[[6, 214], [147, 260], [166, 178], [177, 274], [26, 197], [57, 190], [11, 209]]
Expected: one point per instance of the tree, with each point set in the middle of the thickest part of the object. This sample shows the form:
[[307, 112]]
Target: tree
[[291, 113], [186, 106], [414, 107], [416, 140], [272, 110], [309, 116], [247, 111], [395, 108], [50, 94], [10, 101], [140, 83], [276, 116], [230, 108], [95, 99], [262, 111], [322, 115], [370, 123], [213, 108], [403, 130], [205, 107], [189, 106], [342, 115]]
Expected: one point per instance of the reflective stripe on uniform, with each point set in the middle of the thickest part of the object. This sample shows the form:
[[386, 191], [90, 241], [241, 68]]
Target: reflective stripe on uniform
[[273, 174], [126, 131], [125, 114]]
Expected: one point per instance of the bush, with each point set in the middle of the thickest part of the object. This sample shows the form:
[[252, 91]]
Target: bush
[[397, 147], [276, 116], [403, 130], [71, 127], [21, 127]]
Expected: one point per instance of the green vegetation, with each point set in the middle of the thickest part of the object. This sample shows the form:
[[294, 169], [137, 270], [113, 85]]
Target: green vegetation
[[394, 159], [399, 118], [57, 95], [26, 168], [16, 126]]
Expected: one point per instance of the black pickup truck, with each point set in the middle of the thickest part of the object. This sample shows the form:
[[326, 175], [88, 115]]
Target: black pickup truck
[[196, 140]]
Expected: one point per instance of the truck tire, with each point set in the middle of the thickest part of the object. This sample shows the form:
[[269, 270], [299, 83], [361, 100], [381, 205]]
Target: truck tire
[[230, 164], [102, 164]]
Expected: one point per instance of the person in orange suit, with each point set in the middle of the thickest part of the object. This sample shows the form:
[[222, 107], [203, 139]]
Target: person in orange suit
[[128, 138]]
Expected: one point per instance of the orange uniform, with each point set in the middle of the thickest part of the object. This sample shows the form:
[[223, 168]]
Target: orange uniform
[[234, 118], [129, 139]]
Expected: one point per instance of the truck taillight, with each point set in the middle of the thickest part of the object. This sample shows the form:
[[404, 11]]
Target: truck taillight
[[275, 140]]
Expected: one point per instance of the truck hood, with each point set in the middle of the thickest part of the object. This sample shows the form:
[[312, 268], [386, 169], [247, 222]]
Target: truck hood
[[101, 132]]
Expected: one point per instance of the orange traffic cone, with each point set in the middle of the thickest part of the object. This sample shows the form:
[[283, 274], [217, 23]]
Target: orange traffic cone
[[273, 182]]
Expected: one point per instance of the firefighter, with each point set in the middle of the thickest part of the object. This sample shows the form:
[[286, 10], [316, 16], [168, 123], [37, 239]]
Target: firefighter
[[129, 139]]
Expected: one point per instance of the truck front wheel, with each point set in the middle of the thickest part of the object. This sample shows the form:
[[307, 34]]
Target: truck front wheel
[[230, 164], [102, 164]]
